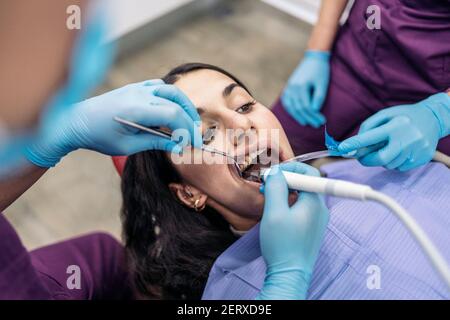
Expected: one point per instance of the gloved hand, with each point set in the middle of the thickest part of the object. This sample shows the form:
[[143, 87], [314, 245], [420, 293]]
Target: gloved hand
[[90, 124], [290, 237], [307, 88], [402, 137]]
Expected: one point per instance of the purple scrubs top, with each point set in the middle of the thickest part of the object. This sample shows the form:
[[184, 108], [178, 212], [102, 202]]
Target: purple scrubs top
[[367, 253], [404, 62], [46, 273]]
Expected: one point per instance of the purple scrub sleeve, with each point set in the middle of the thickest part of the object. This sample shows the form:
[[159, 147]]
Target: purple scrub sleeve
[[18, 277], [47, 273], [404, 62]]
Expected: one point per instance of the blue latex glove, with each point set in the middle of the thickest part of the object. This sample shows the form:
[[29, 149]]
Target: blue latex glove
[[402, 137], [307, 88], [90, 124], [290, 237], [90, 60]]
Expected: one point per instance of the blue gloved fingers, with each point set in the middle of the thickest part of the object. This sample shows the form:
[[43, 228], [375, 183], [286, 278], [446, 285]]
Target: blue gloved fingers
[[315, 118], [321, 119], [303, 111], [146, 141], [172, 93], [365, 139], [376, 120], [291, 107], [152, 82], [312, 118], [299, 167], [182, 121], [318, 98], [275, 193], [299, 115], [161, 144], [415, 160], [384, 155], [305, 105], [409, 165], [165, 113], [312, 201], [397, 162], [366, 150]]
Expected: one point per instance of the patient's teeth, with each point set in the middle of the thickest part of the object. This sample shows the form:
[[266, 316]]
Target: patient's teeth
[[247, 161], [251, 158]]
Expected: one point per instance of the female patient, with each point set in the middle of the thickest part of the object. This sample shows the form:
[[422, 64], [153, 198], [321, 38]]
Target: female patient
[[179, 218]]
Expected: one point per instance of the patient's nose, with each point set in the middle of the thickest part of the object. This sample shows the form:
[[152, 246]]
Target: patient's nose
[[240, 129]]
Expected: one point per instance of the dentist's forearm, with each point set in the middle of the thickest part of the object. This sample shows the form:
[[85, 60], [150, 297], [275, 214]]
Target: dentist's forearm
[[13, 188], [326, 28]]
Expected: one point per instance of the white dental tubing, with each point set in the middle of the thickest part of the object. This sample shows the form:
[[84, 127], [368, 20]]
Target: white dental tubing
[[344, 189]]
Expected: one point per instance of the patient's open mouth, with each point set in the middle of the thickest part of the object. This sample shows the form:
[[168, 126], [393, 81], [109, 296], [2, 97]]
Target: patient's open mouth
[[253, 163]]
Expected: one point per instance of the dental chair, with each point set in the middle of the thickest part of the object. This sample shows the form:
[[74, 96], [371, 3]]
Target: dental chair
[[119, 163]]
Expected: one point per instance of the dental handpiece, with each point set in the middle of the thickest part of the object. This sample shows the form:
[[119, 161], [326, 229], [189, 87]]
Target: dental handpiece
[[337, 188], [345, 189]]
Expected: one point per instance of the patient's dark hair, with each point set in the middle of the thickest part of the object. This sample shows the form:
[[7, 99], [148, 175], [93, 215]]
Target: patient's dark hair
[[171, 248]]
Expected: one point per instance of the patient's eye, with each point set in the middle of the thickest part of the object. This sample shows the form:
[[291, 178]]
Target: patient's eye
[[208, 136], [246, 107]]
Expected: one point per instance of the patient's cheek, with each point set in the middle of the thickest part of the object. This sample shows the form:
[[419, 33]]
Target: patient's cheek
[[200, 175], [267, 117]]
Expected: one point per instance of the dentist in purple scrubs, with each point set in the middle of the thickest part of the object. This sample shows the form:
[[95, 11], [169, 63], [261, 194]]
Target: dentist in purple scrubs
[[47, 69], [380, 81]]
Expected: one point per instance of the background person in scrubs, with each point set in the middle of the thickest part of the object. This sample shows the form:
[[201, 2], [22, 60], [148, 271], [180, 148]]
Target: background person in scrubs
[[41, 123], [39, 57], [351, 73]]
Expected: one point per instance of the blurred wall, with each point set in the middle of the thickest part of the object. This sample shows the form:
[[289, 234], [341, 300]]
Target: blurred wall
[[305, 10], [129, 15]]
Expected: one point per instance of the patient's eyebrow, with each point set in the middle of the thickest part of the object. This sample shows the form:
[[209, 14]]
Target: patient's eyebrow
[[228, 89]]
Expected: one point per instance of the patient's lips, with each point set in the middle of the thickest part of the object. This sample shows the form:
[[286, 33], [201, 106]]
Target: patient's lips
[[251, 159], [256, 161]]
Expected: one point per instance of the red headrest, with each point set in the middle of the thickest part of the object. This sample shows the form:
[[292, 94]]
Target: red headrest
[[119, 163]]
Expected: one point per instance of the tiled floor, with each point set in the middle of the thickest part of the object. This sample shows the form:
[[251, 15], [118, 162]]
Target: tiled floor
[[255, 42]]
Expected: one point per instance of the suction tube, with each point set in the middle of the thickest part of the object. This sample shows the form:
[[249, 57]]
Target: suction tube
[[344, 189]]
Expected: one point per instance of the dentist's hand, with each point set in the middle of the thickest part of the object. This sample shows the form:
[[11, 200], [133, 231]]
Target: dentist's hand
[[91, 125], [307, 88], [405, 137], [290, 237]]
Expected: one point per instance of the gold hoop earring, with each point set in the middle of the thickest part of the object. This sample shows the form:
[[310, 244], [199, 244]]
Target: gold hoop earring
[[196, 208]]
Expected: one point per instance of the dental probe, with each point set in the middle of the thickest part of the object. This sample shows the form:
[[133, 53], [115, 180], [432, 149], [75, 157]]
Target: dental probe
[[438, 156], [344, 189], [167, 135]]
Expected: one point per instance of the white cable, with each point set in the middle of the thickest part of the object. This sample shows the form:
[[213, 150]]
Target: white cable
[[344, 189], [416, 231]]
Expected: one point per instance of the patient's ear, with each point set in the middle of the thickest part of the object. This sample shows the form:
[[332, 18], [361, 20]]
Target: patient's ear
[[189, 196]]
